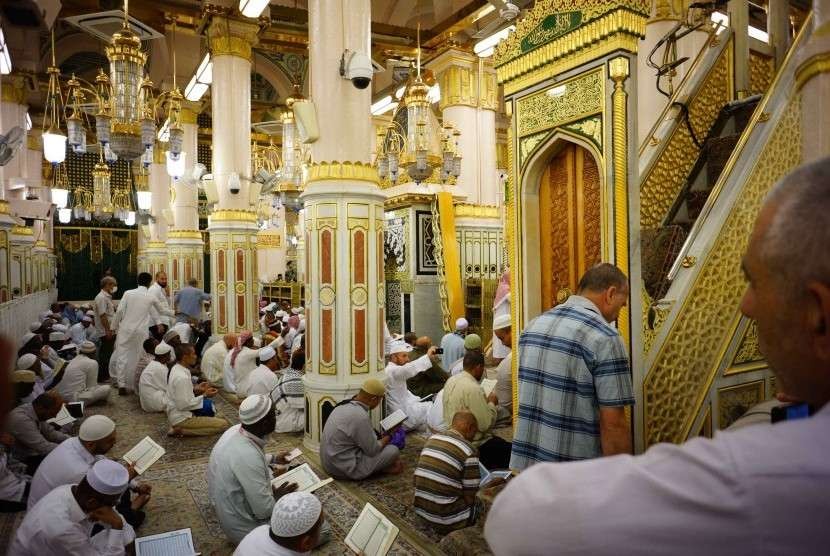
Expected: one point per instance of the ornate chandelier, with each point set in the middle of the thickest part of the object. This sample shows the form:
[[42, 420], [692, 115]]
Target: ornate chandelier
[[414, 141], [125, 116]]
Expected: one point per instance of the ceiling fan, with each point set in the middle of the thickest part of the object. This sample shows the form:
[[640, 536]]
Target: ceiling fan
[[9, 143], [507, 11]]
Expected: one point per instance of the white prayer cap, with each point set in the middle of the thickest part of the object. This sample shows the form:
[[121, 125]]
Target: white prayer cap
[[301, 310], [87, 347], [35, 326], [27, 337], [285, 319], [70, 346], [170, 334], [108, 477], [295, 514], [399, 346], [60, 327], [90, 313], [270, 307], [57, 337], [254, 408], [87, 319], [295, 311], [26, 361], [501, 321], [163, 348], [279, 314], [266, 353], [96, 427], [461, 324], [45, 315]]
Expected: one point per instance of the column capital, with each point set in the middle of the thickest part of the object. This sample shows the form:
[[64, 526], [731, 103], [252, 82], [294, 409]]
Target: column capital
[[231, 37], [668, 10], [14, 89], [189, 112], [464, 81]]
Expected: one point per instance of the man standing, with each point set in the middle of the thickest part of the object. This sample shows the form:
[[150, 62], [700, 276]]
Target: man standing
[[574, 377], [159, 291], [188, 302], [349, 448], [448, 476], [397, 372], [453, 343], [152, 386], [183, 398], [132, 320], [63, 519], [758, 489], [213, 359], [104, 315], [463, 392], [239, 476], [80, 378]]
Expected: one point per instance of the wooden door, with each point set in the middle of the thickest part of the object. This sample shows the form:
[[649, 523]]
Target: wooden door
[[569, 222]]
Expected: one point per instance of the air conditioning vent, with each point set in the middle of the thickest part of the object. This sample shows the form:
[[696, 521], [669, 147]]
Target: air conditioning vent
[[103, 24]]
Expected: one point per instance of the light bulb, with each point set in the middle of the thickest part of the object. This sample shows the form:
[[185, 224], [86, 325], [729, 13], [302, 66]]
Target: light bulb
[[54, 147], [175, 166], [144, 200], [60, 197], [129, 220], [64, 215]]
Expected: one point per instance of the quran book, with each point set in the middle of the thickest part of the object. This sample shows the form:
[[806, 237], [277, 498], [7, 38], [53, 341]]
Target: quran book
[[172, 543], [144, 454], [306, 479], [487, 384], [372, 534], [295, 453], [393, 420], [62, 418], [488, 476]]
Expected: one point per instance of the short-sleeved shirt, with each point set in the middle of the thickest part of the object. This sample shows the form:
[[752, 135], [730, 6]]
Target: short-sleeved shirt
[[571, 362], [447, 470], [103, 306], [189, 301]]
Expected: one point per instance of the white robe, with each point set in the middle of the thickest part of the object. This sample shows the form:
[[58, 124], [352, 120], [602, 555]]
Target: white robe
[[500, 351], [65, 465], [181, 400], [155, 317], [261, 380], [80, 382], [399, 397], [213, 361], [258, 543], [152, 387], [228, 374], [132, 320], [244, 364]]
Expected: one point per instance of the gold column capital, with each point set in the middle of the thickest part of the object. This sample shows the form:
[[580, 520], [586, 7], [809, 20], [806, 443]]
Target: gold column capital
[[618, 69], [231, 37], [464, 82], [188, 113], [14, 89]]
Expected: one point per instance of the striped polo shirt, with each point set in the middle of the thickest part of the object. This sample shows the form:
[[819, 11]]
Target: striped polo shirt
[[571, 362], [447, 470]]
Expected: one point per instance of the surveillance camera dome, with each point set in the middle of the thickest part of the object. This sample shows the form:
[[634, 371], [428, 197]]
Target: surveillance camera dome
[[357, 67], [361, 82]]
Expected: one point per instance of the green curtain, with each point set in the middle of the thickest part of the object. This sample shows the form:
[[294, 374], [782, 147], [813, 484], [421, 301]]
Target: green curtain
[[86, 254]]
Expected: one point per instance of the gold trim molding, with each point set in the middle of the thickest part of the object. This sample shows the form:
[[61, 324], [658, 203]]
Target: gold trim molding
[[22, 231], [583, 96], [233, 215], [813, 66], [469, 210], [406, 200], [4, 207], [184, 234], [155, 245], [13, 90], [356, 171], [230, 37]]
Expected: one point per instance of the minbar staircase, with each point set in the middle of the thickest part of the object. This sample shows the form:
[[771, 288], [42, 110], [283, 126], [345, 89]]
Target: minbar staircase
[[661, 246]]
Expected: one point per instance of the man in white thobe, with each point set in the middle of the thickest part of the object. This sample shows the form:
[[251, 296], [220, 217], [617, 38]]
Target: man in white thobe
[[152, 386], [240, 361], [132, 321], [396, 373], [296, 527], [759, 489], [453, 343], [80, 378], [183, 398], [61, 522], [263, 379], [289, 396], [158, 289], [239, 476], [78, 332], [213, 360]]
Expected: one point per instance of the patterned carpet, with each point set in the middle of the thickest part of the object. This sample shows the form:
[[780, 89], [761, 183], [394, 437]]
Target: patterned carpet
[[180, 495]]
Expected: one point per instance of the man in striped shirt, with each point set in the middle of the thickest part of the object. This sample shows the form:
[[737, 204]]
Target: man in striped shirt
[[448, 476], [289, 396], [574, 377]]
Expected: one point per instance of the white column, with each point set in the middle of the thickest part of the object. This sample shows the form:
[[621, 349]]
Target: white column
[[813, 77], [232, 225], [343, 222], [13, 114]]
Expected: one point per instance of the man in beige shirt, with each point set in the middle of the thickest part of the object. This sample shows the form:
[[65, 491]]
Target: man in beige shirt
[[463, 392]]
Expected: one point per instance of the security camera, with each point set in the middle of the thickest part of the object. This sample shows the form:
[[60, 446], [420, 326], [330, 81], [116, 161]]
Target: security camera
[[358, 68], [234, 184]]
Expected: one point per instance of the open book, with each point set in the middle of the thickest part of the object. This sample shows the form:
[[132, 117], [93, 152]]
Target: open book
[[62, 418], [488, 476], [372, 534], [293, 454], [487, 384], [172, 543], [393, 420], [306, 479], [144, 454]]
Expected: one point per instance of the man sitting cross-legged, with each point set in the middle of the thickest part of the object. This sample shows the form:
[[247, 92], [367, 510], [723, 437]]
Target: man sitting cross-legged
[[183, 398], [239, 474], [80, 379], [69, 462], [447, 477], [152, 388], [62, 521], [349, 447], [296, 527], [263, 379]]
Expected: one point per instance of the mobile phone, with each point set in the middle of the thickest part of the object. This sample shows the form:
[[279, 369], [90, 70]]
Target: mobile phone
[[439, 351], [791, 412]]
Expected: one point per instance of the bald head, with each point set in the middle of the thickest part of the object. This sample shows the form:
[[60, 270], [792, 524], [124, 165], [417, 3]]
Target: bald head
[[465, 423], [424, 342], [788, 293]]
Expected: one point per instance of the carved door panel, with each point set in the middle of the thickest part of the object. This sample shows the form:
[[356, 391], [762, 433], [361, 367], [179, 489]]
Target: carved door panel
[[569, 222]]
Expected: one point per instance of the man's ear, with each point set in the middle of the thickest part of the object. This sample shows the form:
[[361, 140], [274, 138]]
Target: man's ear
[[817, 317]]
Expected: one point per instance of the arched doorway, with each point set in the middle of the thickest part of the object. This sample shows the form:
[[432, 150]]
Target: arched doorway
[[570, 229]]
